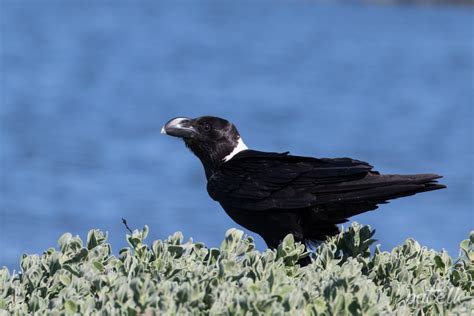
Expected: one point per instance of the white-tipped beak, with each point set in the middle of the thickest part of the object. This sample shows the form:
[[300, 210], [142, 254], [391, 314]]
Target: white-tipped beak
[[179, 127]]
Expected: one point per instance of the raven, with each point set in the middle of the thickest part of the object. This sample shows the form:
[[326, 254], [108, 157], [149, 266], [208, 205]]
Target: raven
[[274, 194]]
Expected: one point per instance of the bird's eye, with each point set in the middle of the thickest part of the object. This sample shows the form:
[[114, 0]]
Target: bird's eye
[[206, 127]]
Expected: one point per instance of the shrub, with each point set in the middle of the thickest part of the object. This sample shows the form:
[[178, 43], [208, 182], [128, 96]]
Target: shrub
[[179, 277]]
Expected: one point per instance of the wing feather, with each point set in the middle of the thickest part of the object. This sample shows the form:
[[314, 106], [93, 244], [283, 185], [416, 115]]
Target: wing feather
[[260, 181]]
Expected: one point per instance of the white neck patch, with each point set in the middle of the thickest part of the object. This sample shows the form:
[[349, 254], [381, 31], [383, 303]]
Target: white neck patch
[[240, 147]]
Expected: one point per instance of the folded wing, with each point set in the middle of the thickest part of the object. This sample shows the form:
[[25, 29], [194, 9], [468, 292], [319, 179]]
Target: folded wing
[[261, 181]]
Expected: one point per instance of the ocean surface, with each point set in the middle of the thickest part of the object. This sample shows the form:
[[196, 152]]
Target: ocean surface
[[87, 85]]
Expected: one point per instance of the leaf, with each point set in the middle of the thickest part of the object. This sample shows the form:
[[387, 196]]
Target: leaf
[[91, 239], [464, 245], [65, 280], [64, 240], [145, 232], [320, 305], [70, 307], [439, 262], [99, 266]]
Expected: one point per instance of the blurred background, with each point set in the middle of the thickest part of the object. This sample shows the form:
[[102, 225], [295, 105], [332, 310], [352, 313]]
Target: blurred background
[[87, 85]]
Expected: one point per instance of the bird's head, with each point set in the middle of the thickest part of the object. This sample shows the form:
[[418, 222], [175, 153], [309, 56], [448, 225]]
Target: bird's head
[[212, 139]]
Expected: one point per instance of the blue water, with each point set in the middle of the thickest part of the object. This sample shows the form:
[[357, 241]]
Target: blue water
[[86, 87]]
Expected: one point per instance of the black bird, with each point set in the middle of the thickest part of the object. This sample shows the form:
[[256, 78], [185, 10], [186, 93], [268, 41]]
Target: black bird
[[274, 194]]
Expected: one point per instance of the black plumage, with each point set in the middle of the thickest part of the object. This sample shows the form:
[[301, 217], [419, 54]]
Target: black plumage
[[274, 194]]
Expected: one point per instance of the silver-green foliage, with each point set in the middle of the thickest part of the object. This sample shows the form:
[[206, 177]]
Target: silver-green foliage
[[179, 277]]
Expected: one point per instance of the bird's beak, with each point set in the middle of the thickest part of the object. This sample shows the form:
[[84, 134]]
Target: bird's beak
[[179, 127]]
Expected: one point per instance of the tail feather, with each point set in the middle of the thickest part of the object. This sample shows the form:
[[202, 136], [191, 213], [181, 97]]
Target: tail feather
[[338, 203], [375, 187], [366, 195], [417, 183]]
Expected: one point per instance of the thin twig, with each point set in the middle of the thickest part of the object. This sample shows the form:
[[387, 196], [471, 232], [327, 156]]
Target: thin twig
[[124, 221]]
